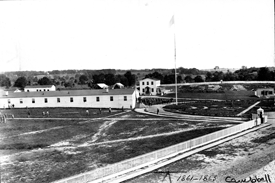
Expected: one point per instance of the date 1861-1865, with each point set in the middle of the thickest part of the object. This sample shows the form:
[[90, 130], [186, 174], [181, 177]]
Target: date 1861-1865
[[206, 178]]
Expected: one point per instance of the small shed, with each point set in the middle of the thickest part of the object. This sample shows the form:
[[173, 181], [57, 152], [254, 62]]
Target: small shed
[[102, 85], [260, 112], [264, 92], [118, 86]]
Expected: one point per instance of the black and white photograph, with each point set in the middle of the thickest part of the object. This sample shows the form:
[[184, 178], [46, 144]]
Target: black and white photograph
[[137, 91]]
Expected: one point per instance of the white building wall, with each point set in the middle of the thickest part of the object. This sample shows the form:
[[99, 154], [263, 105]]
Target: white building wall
[[134, 97], [148, 83], [42, 89], [118, 101], [258, 92]]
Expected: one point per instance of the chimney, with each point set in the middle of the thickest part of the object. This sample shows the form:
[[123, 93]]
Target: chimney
[[7, 93], [107, 90]]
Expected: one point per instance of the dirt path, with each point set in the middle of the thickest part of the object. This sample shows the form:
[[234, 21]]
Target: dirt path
[[102, 129], [152, 110], [33, 132], [136, 138]]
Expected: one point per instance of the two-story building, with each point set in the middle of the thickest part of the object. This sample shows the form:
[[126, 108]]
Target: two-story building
[[149, 86]]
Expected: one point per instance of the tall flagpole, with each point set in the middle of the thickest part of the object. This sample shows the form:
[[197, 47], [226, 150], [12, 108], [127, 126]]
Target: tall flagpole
[[175, 66], [175, 57], [172, 23]]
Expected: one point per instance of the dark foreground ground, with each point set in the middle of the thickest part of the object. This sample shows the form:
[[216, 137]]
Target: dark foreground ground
[[44, 150]]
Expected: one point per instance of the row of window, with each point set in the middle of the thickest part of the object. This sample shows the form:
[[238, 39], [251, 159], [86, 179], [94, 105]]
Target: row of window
[[152, 83], [40, 90], [266, 92], [71, 99]]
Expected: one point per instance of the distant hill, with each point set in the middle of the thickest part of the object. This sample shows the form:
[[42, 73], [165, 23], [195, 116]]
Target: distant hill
[[224, 70]]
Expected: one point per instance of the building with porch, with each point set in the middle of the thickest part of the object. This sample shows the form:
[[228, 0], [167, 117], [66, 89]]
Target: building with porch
[[149, 86]]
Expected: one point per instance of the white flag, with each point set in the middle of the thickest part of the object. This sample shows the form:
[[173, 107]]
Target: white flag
[[171, 21]]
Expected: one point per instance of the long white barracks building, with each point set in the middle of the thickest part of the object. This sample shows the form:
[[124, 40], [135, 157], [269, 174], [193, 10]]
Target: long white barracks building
[[114, 98]]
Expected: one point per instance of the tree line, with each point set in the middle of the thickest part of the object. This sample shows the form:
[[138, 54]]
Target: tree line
[[128, 79], [109, 77], [250, 74]]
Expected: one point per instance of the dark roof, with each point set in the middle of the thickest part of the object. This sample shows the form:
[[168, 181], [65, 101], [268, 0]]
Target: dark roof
[[39, 86], [68, 93], [9, 89], [265, 88]]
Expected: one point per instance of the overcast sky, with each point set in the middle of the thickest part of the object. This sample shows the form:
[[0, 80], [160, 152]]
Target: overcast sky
[[135, 34]]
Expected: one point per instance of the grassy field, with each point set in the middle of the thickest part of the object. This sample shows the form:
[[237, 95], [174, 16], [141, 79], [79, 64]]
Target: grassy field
[[134, 148], [219, 91], [43, 150], [213, 108], [228, 95], [229, 108], [32, 134], [60, 112], [15, 127], [124, 129], [49, 165]]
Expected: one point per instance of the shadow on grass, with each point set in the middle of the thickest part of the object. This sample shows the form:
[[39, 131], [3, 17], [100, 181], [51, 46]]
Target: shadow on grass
[[264, 139], [135, 128], [135, 148]]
